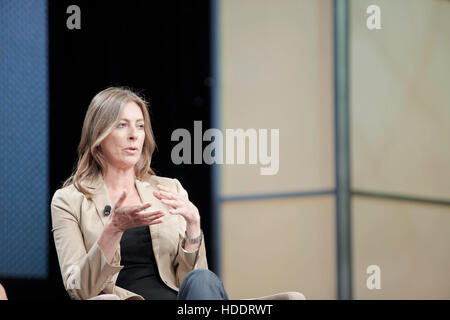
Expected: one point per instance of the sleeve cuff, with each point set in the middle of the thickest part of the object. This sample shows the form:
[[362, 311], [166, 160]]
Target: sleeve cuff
[[189, 257], [107, 269]]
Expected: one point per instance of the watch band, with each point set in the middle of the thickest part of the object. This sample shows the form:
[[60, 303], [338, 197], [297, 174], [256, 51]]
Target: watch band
[[194, 240]]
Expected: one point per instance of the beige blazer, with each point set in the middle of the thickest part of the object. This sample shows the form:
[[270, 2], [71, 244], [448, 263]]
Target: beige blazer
[[77, 223]]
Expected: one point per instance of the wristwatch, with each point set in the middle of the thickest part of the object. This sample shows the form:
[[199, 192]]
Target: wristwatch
[[194, 240]]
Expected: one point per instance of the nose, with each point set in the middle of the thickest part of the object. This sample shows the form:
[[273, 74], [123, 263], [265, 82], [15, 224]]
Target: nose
[[132, 134]]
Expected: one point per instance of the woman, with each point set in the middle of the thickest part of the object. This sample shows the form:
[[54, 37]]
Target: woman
[[3, 293], [118, 228]]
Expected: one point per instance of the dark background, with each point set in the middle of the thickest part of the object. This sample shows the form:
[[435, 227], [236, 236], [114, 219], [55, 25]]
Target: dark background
[[161, 49]]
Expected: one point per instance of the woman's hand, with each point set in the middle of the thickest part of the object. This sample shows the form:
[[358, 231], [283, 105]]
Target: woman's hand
[[123, 218], [182, 206]]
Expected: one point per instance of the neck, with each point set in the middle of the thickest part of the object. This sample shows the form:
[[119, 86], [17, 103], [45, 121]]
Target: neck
[[119, 178]]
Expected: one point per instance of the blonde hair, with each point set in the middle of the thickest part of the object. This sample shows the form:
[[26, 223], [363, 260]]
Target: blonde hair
[[101, 118]]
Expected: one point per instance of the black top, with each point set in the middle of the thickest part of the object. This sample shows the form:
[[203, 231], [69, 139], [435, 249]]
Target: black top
[[140, 273]]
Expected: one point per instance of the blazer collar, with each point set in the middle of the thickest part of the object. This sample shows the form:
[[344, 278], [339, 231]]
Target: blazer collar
[[100, 196]]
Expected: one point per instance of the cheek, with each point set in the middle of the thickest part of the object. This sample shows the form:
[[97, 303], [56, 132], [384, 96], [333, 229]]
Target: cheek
[[108, 151], [111, 145], [142, 139]]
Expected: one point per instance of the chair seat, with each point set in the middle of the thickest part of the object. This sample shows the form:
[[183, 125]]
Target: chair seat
[[277, 296], [292, 295]]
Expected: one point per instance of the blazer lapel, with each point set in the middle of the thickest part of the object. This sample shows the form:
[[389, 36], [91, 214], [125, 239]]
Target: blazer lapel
[[145, 190], [100, 197]]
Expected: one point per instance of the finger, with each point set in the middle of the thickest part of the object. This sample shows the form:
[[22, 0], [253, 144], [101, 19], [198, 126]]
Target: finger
[[121, 199], [177, 195], [157, 194], [173, 203], [176, 211], [179, 212], [151, 214], [166, 189], [144, 206], [137, 209], [155, 222], [149, 221], [165, 194]]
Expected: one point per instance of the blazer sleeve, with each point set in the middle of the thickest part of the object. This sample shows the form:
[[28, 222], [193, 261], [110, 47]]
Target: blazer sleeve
[[85, 273], [185, 261]]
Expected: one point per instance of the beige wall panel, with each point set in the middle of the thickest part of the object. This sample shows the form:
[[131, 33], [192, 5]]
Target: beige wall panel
[[410, 242], [276, 73], [271, 246], [400, 101]]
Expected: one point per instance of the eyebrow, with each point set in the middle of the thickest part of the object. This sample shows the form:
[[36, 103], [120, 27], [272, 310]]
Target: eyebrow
[[127, 120]]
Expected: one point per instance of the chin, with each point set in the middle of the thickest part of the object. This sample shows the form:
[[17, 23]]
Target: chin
[[128, 164]]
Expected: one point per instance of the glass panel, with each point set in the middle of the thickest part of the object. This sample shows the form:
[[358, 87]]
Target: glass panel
[[400, 112], [270, 246], [410, 243], [276, 73]]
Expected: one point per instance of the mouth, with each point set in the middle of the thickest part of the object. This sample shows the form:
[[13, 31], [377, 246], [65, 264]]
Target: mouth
[[131, 149]]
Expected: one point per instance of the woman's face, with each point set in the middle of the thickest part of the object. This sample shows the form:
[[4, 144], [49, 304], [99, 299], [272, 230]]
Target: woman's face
[[122, 148]]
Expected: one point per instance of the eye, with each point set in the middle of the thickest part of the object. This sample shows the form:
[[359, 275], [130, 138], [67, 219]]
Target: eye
[[141, 126], [121, 125]]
